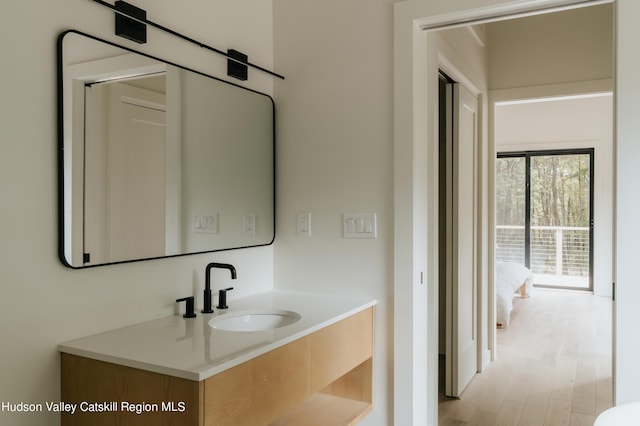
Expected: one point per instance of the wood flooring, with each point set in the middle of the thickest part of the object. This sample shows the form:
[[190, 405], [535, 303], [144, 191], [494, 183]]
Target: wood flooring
[[553, 366]]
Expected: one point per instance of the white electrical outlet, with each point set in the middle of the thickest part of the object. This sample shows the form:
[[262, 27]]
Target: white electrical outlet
[[249, 223], [304, 224]]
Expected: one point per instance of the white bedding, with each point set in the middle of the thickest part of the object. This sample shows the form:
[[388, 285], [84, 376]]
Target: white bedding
[[509, 277]]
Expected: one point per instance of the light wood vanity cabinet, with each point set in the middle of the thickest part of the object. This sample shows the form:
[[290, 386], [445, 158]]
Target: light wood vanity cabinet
[[324, 378]]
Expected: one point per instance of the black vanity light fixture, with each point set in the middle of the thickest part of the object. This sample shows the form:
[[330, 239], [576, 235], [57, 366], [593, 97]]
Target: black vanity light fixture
[[127, 27], [131, 23], [237, 68]]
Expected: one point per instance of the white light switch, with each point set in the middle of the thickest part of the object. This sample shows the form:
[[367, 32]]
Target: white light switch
[[359, 225]]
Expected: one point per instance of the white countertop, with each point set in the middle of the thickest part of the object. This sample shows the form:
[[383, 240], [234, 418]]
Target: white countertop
[[191, 349]]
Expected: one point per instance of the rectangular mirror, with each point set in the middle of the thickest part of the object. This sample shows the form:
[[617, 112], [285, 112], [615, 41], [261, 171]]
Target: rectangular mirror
[[157, 160]]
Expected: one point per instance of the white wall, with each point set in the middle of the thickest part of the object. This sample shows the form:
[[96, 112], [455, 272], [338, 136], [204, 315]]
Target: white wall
[[569, 46], [335, 156], [569, 124], [43, 303]]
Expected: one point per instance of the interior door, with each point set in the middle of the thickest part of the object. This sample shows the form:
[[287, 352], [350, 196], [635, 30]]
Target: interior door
[[461, 359], [125, 197], [136, 179]]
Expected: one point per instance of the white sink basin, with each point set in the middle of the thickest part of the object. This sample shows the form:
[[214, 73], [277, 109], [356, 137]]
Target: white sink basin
[[254, 320]]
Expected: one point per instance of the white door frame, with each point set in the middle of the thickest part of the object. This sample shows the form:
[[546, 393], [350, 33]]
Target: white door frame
[[416, 200]]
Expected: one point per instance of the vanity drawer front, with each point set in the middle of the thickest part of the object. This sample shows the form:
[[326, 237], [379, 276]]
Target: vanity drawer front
[[260, 390], [337, 349], [168, 400]]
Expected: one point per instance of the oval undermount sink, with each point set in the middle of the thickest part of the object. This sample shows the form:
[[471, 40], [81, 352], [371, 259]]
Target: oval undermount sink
[[254, 320]]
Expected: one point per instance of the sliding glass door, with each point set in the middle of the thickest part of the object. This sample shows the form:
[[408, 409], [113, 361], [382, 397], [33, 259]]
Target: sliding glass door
[[544, 216], [511, 209]]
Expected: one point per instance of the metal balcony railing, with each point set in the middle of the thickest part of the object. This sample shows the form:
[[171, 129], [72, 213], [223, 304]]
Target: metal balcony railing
[[555, 250]]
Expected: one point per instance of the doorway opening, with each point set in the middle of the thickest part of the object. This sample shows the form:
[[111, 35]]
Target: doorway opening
[[544, 215], [572, 256]]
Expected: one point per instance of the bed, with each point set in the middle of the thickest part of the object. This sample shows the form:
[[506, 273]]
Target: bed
[[511, 278]]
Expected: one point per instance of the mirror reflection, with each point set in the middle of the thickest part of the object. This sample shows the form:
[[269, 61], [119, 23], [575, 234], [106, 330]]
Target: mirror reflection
[[158, 160]]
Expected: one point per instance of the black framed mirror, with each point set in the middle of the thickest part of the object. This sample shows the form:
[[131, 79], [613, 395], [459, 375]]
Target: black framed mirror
[[157, 160]]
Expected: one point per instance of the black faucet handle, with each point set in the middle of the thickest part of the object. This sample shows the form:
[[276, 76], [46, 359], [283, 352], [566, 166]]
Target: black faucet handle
[[222, 298], [190, 306]]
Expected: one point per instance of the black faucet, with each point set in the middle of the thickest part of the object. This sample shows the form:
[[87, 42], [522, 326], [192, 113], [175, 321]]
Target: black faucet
[[207, 283]]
